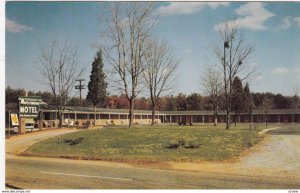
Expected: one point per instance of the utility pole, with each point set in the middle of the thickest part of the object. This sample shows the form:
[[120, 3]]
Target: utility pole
[[80, 87]]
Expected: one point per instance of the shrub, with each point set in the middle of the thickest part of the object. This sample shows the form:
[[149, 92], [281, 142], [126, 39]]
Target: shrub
[[181, 142], [192, 145], [87, 123], [173, 145], [68, 140], [73, 142], [182, 123], [249, 144], [112, 122]]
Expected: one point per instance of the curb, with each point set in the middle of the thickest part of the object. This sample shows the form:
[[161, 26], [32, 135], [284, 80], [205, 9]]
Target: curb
[[11, 186], [266, 130]]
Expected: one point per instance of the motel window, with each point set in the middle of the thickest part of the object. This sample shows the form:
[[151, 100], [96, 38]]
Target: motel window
[[72, 116], [81, 116], [114, 116], [104, 116], [91, 116], [123, 116]]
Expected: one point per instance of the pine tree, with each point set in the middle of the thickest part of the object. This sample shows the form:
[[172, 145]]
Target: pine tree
[[249, 103], [237, 99], [97, 85]]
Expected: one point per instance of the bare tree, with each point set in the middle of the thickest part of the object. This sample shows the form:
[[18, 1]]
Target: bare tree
[[128, 28], [159, 72], [59, 70], [231, 57], [212, 86]]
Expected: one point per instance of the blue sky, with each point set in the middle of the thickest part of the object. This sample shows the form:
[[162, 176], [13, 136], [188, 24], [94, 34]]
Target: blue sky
[[272, 27]]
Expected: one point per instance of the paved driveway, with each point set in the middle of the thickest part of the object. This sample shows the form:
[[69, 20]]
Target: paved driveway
[[279, 152], [273, 164], [19, 143]]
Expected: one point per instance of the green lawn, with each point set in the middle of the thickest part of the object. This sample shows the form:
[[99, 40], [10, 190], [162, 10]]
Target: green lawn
[[146, 143]]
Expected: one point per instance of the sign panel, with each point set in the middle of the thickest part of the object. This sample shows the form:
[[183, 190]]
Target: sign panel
[[14, 119], [29, 106], [29, 109]]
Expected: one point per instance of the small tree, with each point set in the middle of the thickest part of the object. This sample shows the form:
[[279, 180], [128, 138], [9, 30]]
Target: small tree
[[59, 70], [237, 98], [249, 104], [212, 86], [170, 103], [232, 57], [12, 95], [181, 102], [97, 84], [194, 102], [295, 102], [128, 28], [159, 71], [266, 106]]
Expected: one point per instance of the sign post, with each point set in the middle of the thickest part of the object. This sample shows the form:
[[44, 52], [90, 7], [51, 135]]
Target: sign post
[[28, 110], [8, 124]]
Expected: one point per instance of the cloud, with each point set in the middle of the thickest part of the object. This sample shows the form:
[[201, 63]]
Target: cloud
[[286, 23], [15, 27], [259, 77], [185, 8], [297, 19], [251, 15], [280, 71]]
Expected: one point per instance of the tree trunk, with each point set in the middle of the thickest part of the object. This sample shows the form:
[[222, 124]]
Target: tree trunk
[[266, 120], [153, 115], [60, 118], [235, 119], [216, 121], [226, 91], [131, 102], [216, 118], [95, 115], [251, 120], [228, 117], [229, 108], [215, 114]]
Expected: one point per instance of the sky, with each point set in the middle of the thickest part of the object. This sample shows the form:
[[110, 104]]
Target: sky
[[189, 28]]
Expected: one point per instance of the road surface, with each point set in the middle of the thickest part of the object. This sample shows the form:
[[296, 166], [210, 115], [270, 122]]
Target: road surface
[[52, 173]]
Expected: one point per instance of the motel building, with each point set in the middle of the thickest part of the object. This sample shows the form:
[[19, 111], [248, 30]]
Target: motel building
[[120, 116], [32, 113]]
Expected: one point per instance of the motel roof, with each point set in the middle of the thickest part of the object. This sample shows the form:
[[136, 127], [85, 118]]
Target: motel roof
[[78, 109], [201, 112]]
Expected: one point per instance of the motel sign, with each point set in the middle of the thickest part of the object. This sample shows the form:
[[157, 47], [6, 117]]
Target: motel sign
[[29, 109], [29, 106]]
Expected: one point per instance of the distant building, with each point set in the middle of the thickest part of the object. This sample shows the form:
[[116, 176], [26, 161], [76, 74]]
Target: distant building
[[48, 116]]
